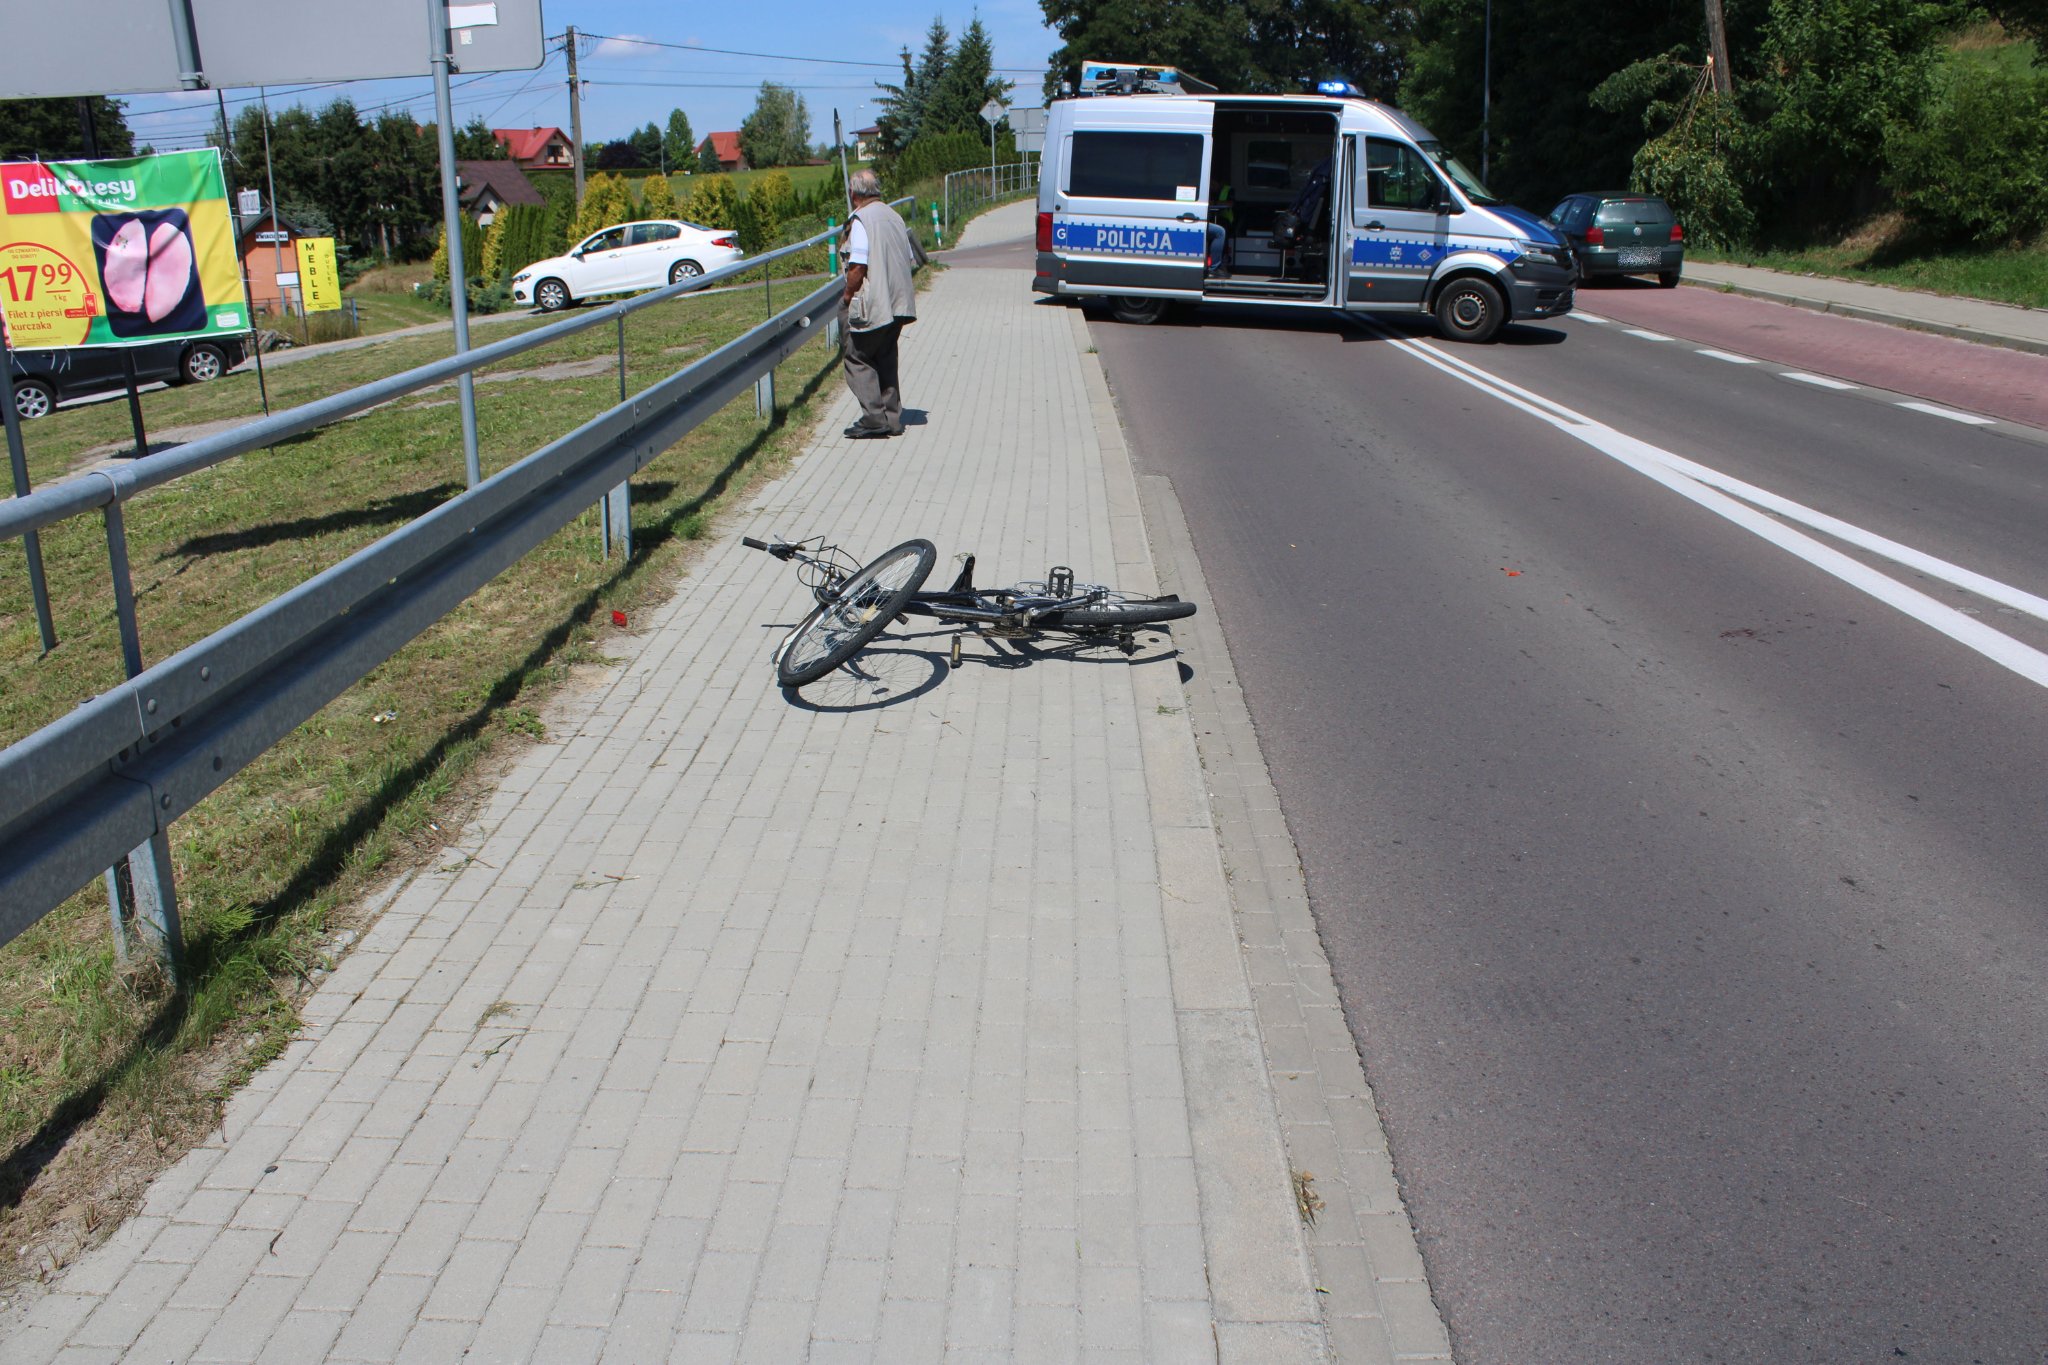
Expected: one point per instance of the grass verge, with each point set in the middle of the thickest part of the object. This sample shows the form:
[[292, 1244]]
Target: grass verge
[[2015, 275], [106, 1075]]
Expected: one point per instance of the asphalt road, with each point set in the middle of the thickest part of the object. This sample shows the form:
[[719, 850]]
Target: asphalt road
[[1682, 864]]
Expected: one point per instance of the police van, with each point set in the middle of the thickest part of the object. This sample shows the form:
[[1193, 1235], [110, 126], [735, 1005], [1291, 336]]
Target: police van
[[1156, 189]]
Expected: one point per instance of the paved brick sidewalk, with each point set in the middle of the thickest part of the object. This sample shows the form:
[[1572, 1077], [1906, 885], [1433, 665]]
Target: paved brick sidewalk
[[906, 1021]]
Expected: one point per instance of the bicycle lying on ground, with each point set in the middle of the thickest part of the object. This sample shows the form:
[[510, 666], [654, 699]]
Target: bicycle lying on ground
[[856, 602]]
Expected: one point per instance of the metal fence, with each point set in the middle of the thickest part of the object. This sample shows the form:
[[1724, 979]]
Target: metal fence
[[97, 790], [966, 191]]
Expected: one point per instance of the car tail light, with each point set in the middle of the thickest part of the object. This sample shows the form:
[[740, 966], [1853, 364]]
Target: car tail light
[[1678, 232], [725, 241], [1045, 232], [1596, 236]]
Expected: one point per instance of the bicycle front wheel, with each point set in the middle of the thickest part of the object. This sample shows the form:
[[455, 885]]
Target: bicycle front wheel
[[865, 604], [1119, 613]]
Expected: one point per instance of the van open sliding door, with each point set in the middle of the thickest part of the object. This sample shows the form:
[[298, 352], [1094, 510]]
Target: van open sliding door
[[1131, 211]]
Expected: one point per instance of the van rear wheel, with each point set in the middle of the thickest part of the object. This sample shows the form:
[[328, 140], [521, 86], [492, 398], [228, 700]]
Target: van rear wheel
[[1470, 310], [1137, 309]]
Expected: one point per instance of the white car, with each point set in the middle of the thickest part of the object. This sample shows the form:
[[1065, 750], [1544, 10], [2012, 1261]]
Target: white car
[[625, 258]]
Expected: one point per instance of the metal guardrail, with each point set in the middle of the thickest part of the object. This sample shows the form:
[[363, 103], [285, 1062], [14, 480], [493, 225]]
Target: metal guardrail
[[965, 191], [99, 788]]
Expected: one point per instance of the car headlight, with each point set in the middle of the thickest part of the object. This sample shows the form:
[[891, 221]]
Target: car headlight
[[1546, 253], [522, 277]]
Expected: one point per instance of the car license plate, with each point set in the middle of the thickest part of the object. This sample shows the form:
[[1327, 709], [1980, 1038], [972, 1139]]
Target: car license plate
[[1640, 259]]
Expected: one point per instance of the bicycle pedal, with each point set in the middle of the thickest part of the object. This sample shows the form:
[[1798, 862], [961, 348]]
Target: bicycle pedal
[[1059, 581]]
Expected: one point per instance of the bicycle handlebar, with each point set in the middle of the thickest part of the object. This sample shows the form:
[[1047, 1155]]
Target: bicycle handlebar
[[781, 549], [753, 544]]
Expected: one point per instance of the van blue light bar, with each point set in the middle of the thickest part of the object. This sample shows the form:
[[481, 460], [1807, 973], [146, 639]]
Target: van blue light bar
[[1127, 78]]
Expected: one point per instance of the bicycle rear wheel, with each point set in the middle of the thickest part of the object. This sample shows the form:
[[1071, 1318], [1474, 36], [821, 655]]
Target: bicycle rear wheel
[[866, 603], [1119, 613]]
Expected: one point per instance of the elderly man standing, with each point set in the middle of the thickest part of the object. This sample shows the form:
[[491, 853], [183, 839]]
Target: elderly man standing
[[881, 296]]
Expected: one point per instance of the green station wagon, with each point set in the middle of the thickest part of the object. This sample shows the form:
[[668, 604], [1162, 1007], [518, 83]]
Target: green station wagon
[[1619, 233]]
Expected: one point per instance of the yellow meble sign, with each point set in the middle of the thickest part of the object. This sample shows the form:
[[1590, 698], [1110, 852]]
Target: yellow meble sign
[[319, 283]]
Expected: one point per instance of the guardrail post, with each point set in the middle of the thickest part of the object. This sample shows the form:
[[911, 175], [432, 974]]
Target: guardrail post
[[146, 899], [616, 511], [31, 543], [832, 269], [764, 396]]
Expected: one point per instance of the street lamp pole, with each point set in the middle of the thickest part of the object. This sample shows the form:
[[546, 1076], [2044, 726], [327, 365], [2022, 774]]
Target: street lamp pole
[[1486, 99]]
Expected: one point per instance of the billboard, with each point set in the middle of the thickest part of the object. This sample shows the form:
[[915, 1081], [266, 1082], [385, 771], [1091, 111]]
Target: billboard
[[119, 47], [319, 282], [117, 253]]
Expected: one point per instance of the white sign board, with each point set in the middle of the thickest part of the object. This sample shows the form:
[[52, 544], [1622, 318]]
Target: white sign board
[[249, 203], [125, 47], [1029, 127], [993, 112]]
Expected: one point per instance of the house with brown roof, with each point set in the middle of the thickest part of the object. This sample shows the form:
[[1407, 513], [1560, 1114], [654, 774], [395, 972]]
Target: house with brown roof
[[727, 148], [537, 149], [486, 187], [867, 143]]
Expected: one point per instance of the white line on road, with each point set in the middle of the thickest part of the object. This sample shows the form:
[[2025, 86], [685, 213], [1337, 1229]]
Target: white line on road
[[1970, 417], [1711, 489], [1819, 379], [1593, 317], [1647, 336], [1729, 356]]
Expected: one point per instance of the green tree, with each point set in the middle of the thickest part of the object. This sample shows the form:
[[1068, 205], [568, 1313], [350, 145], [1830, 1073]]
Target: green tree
[[474, 141], [1972, 164], [967, 83], [1210, 41], [53, 131], [657, 197], [903, 107], [778, 132], [677, 142], [647, 146], [707, 159]]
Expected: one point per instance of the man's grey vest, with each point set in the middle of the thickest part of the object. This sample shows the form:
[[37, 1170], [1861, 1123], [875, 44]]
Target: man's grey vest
[[891, 288]]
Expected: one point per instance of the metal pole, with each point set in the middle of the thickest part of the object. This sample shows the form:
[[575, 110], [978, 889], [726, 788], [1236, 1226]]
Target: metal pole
[[149, 876], [616, 510], [17, 456], [845, 176], [1486, 98], [227, 150], [451, 220]]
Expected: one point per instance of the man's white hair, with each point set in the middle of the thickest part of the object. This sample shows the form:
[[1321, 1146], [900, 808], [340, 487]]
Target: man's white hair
[[865, 184]]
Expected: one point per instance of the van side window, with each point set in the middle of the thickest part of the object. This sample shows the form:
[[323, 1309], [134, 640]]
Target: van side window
[[1396, 177], [1136, 166]]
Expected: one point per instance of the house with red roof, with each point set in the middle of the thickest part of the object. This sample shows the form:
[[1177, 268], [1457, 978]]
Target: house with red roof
[[726, 146], [537, 149]]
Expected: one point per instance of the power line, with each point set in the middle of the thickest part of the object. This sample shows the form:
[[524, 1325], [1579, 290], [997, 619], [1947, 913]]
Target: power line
[[784, 57]]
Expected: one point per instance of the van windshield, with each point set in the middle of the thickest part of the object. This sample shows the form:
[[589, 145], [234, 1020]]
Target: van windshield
[[1467, 182]]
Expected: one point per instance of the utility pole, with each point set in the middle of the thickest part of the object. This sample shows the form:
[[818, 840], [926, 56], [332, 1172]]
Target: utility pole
[[575, 116], [1717, 45]]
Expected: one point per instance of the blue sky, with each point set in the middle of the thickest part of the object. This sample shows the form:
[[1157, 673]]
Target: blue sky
[[631, 83]]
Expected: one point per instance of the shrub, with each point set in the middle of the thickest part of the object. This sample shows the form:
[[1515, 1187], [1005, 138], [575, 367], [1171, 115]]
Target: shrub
[[713, 202], [530, 235], [930, 158], [1693, 165], [657, 197], [606, 200], [1973, 165]]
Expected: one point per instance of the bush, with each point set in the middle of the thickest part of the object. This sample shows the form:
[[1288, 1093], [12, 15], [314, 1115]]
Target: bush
[[657, 197], [713, 202], [530, 235], [1693, 165], [606, 200], [1973, 166], [931, 158]]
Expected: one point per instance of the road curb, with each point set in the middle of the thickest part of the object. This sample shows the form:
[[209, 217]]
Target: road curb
[[1285, 1070]]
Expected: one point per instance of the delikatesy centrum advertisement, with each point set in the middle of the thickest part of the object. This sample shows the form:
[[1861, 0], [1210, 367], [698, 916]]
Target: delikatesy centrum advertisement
[[117, 253]]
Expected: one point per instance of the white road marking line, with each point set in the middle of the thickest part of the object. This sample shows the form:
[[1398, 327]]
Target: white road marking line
[[1647, 336], [1592, 317], [1705, 487], [1970, 417], [1729, 356], [1820, 379]]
